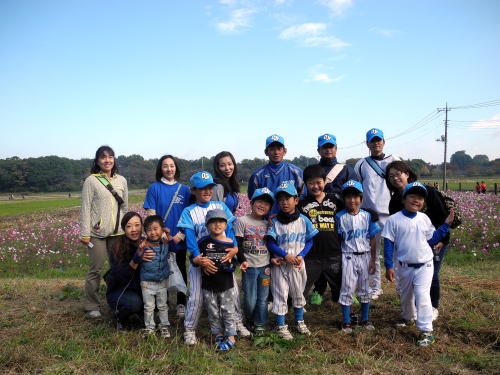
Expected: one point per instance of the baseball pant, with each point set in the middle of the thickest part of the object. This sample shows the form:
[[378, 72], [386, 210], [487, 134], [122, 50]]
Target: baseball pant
[[355, 278], [287, 280]]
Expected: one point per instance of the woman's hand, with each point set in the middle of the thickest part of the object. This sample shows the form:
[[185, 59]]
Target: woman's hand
[[208, 266], [450, 217], [230, 253]]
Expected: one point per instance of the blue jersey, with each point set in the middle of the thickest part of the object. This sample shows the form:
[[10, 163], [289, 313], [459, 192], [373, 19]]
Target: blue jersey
[[272, 176], [292, 237]]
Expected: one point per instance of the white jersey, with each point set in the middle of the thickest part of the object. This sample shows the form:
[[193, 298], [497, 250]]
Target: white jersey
[[356, 231], [293, 236], [376, 195], [254, 247], [410, 236]]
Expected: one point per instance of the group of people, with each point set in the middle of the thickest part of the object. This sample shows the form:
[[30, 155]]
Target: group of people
[[480, 187], [306, 229]]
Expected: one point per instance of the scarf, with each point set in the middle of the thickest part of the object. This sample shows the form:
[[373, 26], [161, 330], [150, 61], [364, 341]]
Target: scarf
[[285, 218]]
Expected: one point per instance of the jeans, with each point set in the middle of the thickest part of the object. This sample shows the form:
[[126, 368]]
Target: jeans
[[256, 282], [129, 303], [435, 287], [155, 293]]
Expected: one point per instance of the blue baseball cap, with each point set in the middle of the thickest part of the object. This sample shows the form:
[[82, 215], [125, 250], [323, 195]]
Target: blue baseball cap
[[264, 194], [415, 188], [201, 179], [352, 185], [214, 214], [372, 133], [326, 139], [275, 138], [285, 187]]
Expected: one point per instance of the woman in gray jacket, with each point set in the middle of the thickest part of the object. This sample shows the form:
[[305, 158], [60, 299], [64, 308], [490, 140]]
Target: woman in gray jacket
[[104, 202]]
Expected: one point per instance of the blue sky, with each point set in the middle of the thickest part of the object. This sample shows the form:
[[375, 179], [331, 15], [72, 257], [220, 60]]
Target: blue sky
[[192, 78]]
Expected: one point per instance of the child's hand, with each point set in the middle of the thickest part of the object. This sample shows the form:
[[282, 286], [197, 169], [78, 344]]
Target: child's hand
[[450, 217], [166, 234], [230, 253], [371, 266], [298, 261], [244, 266], [290, 259], [389, 274], [277, 261]]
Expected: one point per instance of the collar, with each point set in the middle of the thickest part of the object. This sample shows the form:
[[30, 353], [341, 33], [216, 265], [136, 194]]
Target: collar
[[167, 182], [408, 214], [379, 157]]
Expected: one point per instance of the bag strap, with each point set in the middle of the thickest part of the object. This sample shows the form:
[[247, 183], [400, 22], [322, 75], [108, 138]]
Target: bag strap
[[172, 203], [334, 172], [375, 166], [103, 180]]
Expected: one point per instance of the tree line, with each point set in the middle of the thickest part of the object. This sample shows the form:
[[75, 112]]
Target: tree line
[[56, 174]]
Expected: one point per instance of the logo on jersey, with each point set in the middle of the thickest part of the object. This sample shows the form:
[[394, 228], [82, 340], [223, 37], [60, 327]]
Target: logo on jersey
[[210, 246]]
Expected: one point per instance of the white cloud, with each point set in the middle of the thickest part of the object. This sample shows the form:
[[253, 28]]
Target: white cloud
[[319, 73], [238, 19], [312, 35], [337, 7], [492, 123], [388, 33]]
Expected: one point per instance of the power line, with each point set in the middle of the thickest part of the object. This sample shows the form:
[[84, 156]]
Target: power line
[[491, 103]]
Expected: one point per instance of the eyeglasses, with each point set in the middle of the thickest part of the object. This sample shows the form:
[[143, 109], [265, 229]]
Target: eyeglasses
[[396, 174]]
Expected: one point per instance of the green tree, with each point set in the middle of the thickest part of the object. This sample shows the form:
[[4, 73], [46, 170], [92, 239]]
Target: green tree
[[461, 160]]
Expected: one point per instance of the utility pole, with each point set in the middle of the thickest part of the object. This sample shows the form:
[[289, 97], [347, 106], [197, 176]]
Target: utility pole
[[445, 140]]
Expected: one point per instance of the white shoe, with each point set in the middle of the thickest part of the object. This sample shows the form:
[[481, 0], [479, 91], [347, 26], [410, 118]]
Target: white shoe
[[435, 313], [302, 328], [94, 314], [284, 333], [181, 311], [190, 336], [242, 330], [377, 293], [165, 332]]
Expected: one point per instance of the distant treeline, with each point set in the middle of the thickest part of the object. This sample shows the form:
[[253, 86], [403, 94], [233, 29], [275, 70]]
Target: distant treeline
[[54, 173]]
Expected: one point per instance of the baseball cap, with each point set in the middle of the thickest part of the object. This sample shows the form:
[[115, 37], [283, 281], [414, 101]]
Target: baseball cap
[[264, 194], [372, 133], [216, 213], [201, 179], [275, 138], [285, 187], [326, 139], [415, 188], [352, 185]]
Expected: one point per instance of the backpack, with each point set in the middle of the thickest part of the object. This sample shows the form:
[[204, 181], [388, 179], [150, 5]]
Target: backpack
[[450, 204]]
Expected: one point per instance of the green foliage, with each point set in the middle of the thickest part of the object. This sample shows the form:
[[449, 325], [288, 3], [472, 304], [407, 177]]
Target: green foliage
[[70, 291]]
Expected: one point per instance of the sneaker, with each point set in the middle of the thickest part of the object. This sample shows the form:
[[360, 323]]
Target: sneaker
[[405, 323], [93, 314], [284, 333], [435, 313], [242, 330], [165, 332], [225, 345], [366, 324], [346, 328], [259, 330], [181, 311], [302, 328], [147, 332], [426, 339], [316, 299], [190, 336], [377, 293]]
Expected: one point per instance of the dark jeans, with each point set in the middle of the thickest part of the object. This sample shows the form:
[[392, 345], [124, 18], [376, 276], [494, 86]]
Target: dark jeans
[[435, 286], [128, 307], [180, 257], [330, 268]]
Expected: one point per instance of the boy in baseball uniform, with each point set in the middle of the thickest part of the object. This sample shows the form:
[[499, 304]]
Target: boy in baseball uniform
[[289, 238], [409, 235], [357, 229]]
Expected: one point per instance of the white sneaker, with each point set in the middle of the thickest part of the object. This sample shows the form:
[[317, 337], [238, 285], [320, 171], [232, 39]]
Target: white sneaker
[[302, 328], [435, 313], [242, 330], [284, 333], [377, 293], [181, 310], [94, 314], [165, 332], [190, 336]]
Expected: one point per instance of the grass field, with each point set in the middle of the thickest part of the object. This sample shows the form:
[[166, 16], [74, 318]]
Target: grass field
[[43, 329]]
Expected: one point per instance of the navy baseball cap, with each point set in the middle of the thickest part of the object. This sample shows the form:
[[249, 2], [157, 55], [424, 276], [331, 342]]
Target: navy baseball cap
[[201, 179], [326, 139], [415, 188], [275, 138], [214, 214], [372, 133], [352, 185], [264, 194], [286, 188]]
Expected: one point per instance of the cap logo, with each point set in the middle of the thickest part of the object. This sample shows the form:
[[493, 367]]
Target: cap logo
[[275, 137], [204, 176], [350, 183], [326, 137], [283, 185], [374, 131], [265, 190], [418, 184]]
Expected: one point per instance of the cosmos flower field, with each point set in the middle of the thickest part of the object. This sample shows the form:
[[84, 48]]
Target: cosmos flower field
[[48, 245]]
